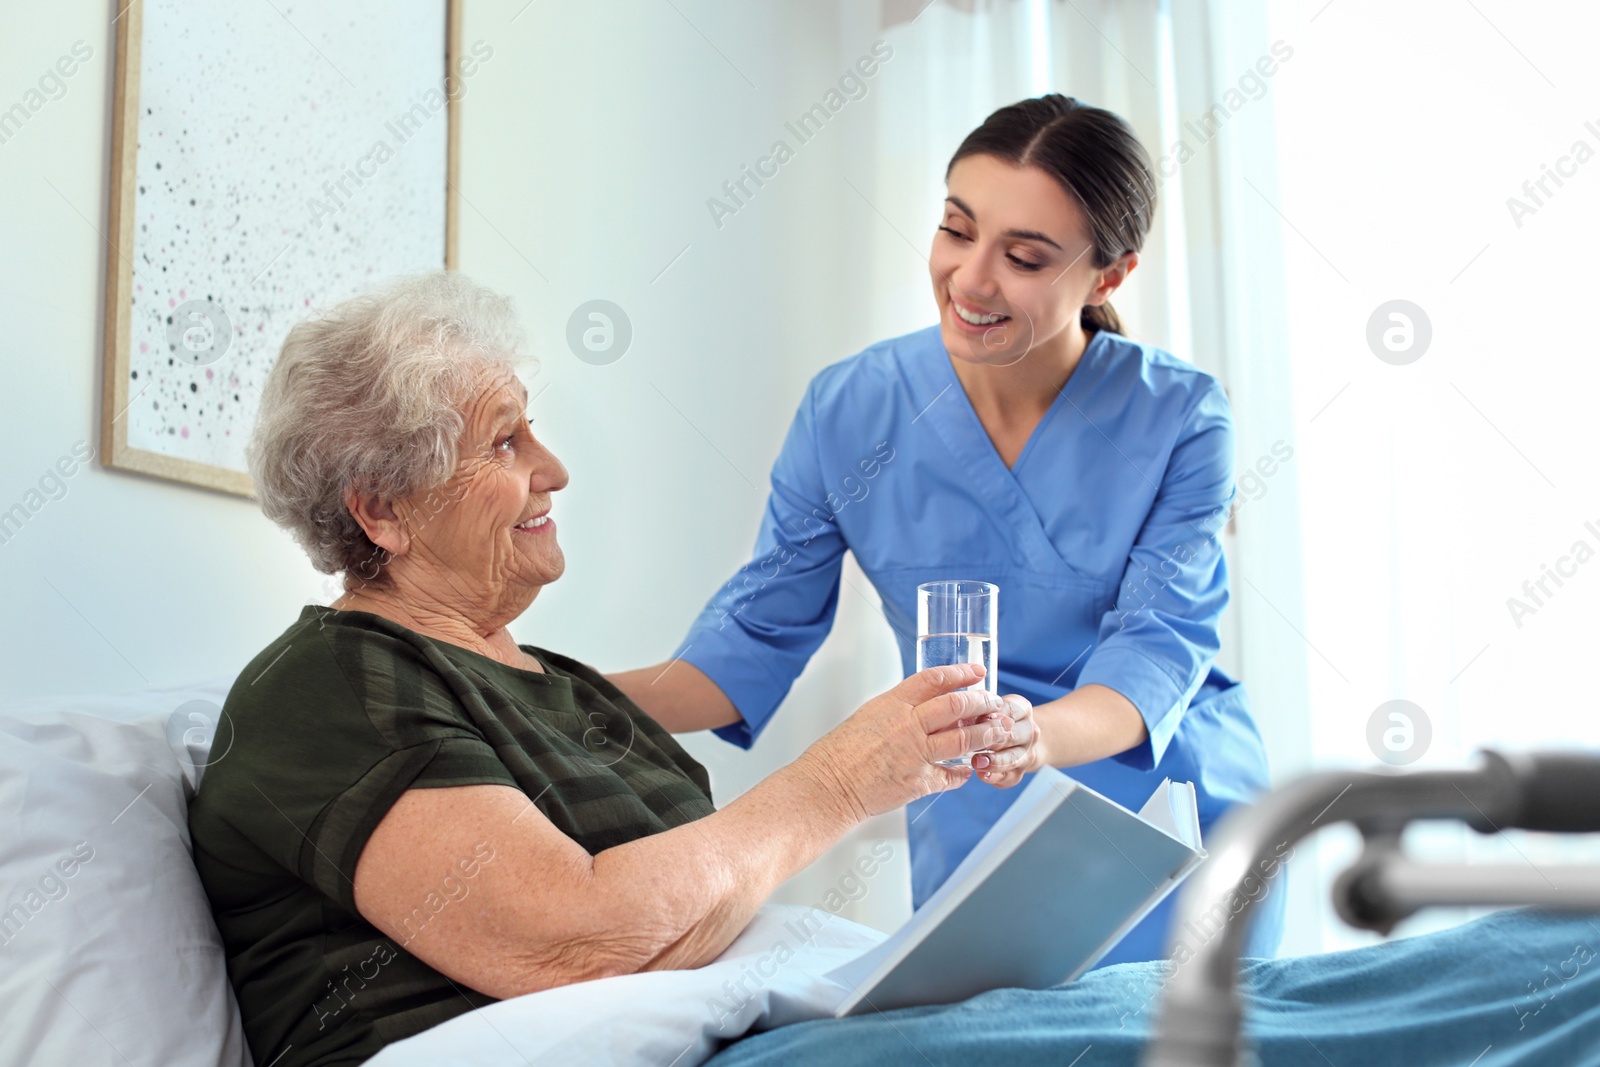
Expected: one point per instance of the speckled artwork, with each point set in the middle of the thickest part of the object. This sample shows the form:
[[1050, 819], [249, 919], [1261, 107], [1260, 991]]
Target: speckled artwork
[[289, 155]]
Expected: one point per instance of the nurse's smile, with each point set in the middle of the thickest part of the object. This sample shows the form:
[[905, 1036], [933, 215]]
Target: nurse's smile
[[974, 320]]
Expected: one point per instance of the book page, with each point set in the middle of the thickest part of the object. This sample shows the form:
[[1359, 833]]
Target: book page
[[1157, 811], [1172, 808]]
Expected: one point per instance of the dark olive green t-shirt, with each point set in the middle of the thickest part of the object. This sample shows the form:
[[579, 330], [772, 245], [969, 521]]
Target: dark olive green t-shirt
[[321, 734]]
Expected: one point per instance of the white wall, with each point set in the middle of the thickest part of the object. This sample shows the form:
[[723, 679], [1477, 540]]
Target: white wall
[[124, 580]]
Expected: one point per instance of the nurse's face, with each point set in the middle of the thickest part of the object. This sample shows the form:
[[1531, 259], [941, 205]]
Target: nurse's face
[[1012, 262]]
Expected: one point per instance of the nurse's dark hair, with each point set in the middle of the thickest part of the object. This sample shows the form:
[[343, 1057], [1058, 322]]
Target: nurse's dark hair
[[1098, 161]]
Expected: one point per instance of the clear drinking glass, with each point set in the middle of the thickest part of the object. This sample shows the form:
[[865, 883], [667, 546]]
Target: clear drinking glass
[[956, 624]]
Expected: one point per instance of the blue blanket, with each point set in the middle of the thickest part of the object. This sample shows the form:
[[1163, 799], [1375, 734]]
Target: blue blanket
[[1515, 987]]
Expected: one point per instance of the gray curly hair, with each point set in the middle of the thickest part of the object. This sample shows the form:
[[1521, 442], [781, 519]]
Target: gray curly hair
[[370, 394]]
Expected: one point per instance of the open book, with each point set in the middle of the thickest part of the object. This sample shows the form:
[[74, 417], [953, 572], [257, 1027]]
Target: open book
[[1082, 870]]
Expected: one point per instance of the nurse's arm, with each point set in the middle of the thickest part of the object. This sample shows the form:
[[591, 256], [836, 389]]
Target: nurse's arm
[[1090, 723], [678, 695]]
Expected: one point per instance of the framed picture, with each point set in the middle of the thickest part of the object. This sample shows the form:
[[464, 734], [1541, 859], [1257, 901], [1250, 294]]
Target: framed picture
[[266, 159]]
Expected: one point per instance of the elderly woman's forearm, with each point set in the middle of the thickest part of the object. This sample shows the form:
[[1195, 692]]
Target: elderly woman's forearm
[[682, 896]]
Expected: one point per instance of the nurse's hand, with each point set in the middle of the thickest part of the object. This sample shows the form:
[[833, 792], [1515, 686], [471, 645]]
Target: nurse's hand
[[1021, 753], [886, 754]]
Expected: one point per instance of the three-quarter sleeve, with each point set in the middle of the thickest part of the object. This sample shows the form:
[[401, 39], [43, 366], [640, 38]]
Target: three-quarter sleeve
[[1155, 645], [756, 634], [320, 757]]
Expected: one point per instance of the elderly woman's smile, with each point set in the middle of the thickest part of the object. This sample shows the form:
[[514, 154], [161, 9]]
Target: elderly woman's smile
[[519, 475]]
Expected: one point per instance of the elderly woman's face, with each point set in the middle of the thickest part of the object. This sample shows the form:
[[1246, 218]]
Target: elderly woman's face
[[480, 530]]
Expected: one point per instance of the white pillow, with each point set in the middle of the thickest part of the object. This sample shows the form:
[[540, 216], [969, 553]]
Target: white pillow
[[108, 952], [773, 974]]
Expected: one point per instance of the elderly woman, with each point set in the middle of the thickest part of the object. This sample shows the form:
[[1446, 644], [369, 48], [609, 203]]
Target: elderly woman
[[418, 815]]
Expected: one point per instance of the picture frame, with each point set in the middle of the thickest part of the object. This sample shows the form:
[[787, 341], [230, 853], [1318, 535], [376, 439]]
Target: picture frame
[[194, 316]]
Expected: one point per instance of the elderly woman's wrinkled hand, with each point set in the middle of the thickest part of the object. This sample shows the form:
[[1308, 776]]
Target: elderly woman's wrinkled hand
[[886, 754]]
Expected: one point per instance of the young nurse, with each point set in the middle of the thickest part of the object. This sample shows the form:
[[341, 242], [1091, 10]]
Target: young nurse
[[1022, 441]]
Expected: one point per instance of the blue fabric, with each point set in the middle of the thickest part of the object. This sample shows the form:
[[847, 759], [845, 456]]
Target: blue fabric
[[1103, 539], [1511, 988]]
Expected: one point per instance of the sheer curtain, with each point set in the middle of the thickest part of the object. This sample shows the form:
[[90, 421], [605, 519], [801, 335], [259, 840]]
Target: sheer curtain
[[1448, 499], [1382, 572]]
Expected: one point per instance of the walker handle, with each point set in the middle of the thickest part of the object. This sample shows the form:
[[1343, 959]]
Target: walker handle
[[1558, 792]]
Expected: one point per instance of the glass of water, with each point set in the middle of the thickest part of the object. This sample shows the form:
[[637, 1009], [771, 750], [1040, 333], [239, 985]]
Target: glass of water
[[956, 624]]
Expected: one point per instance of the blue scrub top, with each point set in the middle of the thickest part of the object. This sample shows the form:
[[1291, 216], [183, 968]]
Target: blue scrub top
[[1103, 538]]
